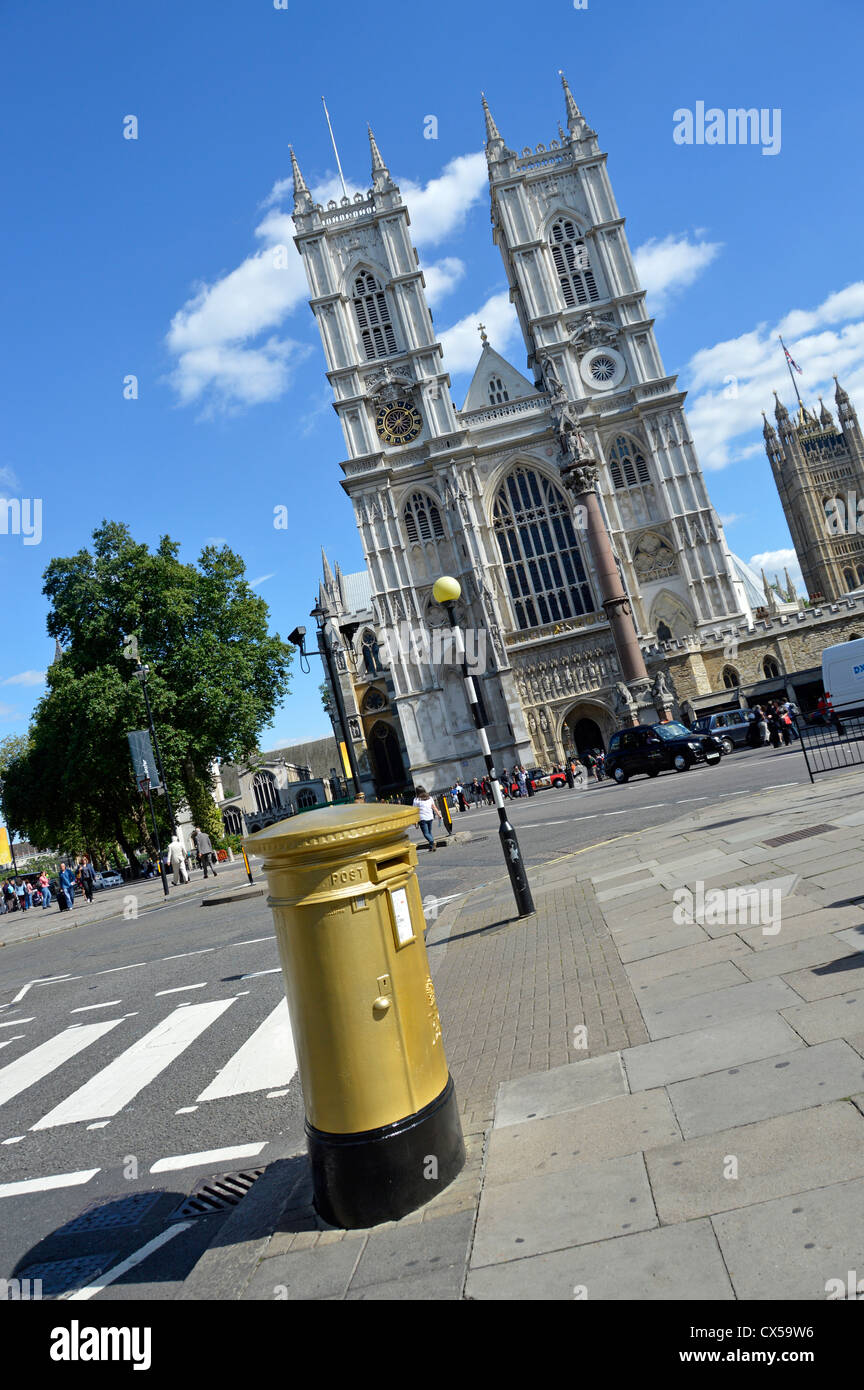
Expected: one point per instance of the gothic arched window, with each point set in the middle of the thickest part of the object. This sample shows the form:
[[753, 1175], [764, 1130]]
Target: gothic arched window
[[422, 519], [627, 466], [771, 668], [373, 317], [232, 821], [542, 559], [570, 255], [849, 578], [731, 679], [369, 644], [497, 391], [861, 574], [664, 632], [307, 797], [264, 787]]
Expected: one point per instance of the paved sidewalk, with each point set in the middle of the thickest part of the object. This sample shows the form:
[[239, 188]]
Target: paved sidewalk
[[658, 1101], [110, 902]]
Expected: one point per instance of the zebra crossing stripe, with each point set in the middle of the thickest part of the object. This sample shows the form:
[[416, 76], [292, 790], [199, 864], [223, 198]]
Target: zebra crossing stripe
[[107, 1092], [33, 1066], [265, 1060], [20, 1189]]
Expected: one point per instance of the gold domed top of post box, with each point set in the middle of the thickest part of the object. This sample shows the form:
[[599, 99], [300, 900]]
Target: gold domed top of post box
[[331, 826]]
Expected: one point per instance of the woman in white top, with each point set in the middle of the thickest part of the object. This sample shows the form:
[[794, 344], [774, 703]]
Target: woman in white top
[[427, 811]]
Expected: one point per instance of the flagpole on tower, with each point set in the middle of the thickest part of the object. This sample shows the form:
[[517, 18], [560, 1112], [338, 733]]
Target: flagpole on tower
[[335, 151], [790, 364]]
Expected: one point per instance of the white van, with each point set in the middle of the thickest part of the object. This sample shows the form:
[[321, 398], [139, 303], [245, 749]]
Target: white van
[[843, 675]]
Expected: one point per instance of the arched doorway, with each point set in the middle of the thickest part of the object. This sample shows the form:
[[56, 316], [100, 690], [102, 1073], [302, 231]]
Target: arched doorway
[[387, 766], [585, 734]]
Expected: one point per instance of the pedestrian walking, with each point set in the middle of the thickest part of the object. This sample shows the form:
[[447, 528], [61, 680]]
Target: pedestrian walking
[[45, 885], [177, 861], [521, 781], [67, 884], [761, 724], [87, 877], [427, 811], [205, 851]]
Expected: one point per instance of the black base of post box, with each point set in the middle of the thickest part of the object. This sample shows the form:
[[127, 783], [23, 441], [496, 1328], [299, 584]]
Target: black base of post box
[[382, 1174]]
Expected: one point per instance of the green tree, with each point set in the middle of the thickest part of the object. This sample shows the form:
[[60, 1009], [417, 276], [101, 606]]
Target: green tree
[[216, 677]]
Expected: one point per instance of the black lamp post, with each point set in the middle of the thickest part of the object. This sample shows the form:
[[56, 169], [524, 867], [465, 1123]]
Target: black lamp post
[[446, 591], [325, 651]]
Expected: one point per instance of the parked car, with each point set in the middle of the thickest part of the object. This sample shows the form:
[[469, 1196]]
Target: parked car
[[654, 748], [536, 776], [109, 878], [730, 727]]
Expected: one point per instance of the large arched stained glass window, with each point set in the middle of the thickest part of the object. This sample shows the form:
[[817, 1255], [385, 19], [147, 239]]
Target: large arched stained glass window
[[542, 559]]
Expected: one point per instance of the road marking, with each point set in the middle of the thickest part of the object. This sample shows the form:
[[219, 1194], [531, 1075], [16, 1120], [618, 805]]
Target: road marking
[[170, 1165], [274, 1095], [179, 989], [17, 1038], [682, 799], [19, 1189], [782, 784], [184, 954], [254, 940], [114, 969], [16, 1022], [106, 1093], [46, 980], [256, 973], [652, 806], [113, 1274], [265, 1060], [87, 1007], [186, 1110], [35, 1065], [16, 1140], [615, 813], [99, 1124]]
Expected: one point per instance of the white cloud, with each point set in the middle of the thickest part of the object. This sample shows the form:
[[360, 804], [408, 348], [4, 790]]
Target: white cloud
[[9, 482], [25, 678], [441, 277], [730, 518], [262, 579], [213, 336], [732, 382], [462, 344], [773, 562], [668, 266], [10, 713]]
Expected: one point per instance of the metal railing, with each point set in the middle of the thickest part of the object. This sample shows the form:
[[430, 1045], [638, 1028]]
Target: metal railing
[[829, 747]]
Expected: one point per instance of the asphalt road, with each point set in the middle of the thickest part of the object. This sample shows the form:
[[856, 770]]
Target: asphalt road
[[139, 1057]]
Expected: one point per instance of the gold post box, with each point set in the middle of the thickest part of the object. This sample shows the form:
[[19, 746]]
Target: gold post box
[[382, 1126]]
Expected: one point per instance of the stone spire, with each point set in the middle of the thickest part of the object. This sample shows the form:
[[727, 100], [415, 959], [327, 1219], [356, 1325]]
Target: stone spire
[[326, 570], [768, 429], [780, 411], [58, 652], [302, 196], [381, 179], [575, 119], [791, 591], [825, 416], [495, 146]]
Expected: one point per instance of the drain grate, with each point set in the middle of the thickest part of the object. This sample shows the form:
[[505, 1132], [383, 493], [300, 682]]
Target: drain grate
[[217, 1194], [117, 1211], [66, 1276], [799, 835]]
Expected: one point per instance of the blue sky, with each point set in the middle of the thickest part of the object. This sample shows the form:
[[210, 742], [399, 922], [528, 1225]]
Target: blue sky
[[153, 256]]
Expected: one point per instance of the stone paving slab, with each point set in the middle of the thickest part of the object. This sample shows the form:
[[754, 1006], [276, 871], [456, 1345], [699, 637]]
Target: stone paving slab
[[564, 1088], [719, 1006], [437, 1247], [607, 1129], [794, 956], [305, 1275], [686, 958], [671, 1262], [774, 1158], [673, 939], [832, 977], [707, 1050], [586, 1203], [828, 1018], [688, 983], [820, 922], [852, 936], [757, 1090], [789, 1248]]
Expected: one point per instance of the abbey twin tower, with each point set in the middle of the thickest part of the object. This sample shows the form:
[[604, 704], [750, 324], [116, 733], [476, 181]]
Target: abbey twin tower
[[477, 491]]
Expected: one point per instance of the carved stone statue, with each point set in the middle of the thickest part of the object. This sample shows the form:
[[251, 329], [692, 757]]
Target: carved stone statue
[[624, 703], [660, 692]]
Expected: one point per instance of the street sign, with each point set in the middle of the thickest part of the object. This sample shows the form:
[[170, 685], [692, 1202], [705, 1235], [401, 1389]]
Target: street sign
[[143, 759]]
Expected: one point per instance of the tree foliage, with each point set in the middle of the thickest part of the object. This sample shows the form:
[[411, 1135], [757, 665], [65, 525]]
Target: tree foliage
[[216, 677]]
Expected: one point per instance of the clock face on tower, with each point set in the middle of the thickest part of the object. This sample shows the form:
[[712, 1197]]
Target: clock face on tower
[[397, 422]]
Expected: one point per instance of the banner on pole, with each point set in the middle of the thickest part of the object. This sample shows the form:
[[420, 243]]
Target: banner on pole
[[143, 759]]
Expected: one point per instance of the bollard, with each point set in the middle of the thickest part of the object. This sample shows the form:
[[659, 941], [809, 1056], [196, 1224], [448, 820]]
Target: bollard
[[382, 1126], [444, 808]]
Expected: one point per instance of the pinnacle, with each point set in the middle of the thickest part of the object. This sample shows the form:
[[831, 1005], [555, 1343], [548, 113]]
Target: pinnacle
[[574, 115], [492, 131], [378, 165]]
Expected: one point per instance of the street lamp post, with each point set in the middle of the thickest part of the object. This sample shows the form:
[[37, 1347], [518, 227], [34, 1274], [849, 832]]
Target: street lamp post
[[144, 784], [296, 638], [141, 673], [446, 591]]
